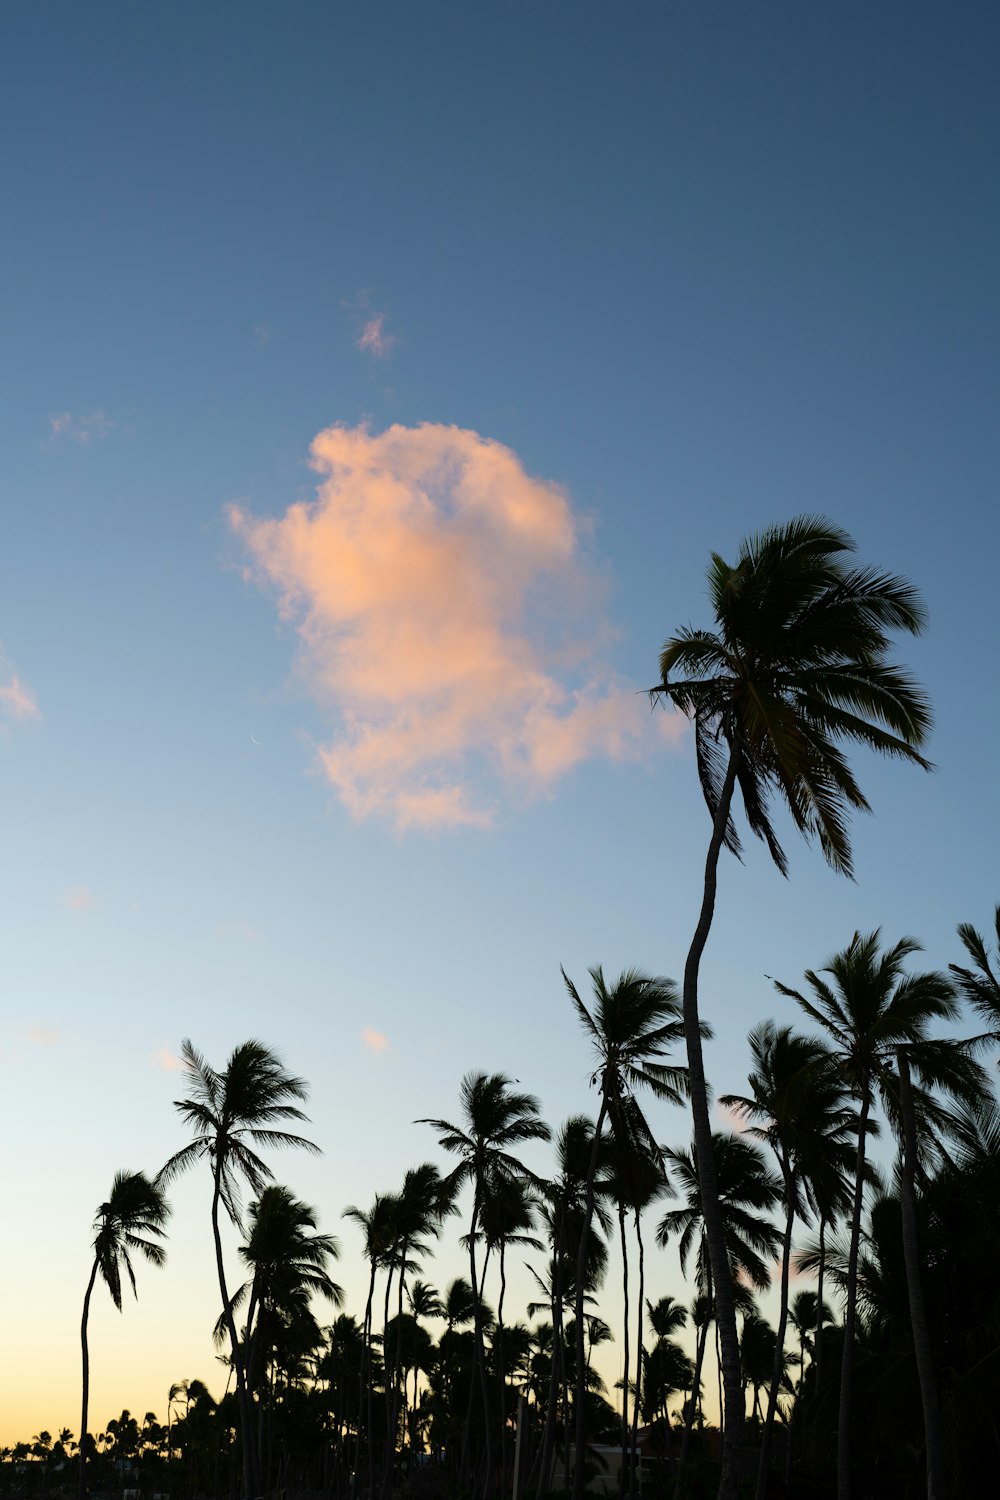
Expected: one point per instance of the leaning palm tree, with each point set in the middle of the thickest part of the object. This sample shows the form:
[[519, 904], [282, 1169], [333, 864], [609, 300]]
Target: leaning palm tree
[[495, 1119], [132, 1220], [798, 664], [233, 1113], [633, 1024], [877, 1016]]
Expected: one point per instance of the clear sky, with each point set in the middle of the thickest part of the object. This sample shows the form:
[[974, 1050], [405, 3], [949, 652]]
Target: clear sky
[[378, 379]]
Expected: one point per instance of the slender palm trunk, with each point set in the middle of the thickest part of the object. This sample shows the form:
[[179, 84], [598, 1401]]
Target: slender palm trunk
[[820, 1277], [695, 1402], [847, 1361], [637, 1394], [364, 1383], [85, 1350], [732, 1431], [779, 1347], [625, 1350], [545, 1452], [933, 1443], [501, 1373], [580, 1395], [484, 1380], [251, 1481]]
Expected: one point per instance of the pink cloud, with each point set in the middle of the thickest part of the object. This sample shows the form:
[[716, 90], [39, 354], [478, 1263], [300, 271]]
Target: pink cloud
[[42, 1036], [165, 1061], [445, 614], [82, 429], [374, 1040], [79, 898], [17, 700], [374, 338]]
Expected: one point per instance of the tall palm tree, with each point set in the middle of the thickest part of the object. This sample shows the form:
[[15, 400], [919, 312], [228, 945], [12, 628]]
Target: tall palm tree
[[378, 1226], [799, 1105], [233, 1113], [131, 1221], [798, 664], [633, 1024], [877, 1017], [494, 1120]]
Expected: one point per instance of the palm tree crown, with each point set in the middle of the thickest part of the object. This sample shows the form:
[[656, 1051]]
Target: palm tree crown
[[132, 1220], [798, 662]]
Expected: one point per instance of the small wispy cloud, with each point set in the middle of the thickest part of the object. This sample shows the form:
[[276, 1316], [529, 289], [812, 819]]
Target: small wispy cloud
[[373, 335], [263, 334], [42, 1036], [79, 898], [374, 1040], [164, 1061], [83, 428], [17, 701]]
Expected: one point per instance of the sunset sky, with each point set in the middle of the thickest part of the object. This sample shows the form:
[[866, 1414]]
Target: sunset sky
[[378, 379]]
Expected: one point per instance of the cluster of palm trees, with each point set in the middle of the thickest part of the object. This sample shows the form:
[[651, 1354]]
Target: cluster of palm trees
[[797, 666]]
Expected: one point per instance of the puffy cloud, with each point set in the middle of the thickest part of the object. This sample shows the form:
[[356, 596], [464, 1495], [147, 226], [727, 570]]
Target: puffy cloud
[[374, 1040], [82, 429], [447, 617], [79, 898]]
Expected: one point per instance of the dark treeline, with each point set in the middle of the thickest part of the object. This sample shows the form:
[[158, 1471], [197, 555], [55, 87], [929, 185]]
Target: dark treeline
[[879, 1378]]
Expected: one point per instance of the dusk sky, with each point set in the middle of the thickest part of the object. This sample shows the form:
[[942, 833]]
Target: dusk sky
[[378, 380]]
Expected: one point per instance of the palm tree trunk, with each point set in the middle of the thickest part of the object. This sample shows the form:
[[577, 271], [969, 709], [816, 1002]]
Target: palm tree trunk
[[548, 1432], [364, 1383], [933, 1443], [625, 1349], [732, 1432], [699, 1360], [637, 1393], [82, 1446], [251, 1484], [818, 1346], [481, 1350], [764, 1465], [847, 1361], [502, 1373], [580, 1397]]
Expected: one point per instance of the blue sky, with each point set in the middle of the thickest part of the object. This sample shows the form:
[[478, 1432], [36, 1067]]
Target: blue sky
[[696, 269]]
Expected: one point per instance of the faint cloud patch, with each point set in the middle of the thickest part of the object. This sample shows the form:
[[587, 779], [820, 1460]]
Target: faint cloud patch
[[236, 928], [164, 1061], [263, 334], [374, 1040], [447, 617], [42, 1036], [373, 335], [79, 898], [17, 701], [83, 429]]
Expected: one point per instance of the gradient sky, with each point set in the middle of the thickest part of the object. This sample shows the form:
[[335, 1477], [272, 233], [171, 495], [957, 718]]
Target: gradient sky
[[378, 380]]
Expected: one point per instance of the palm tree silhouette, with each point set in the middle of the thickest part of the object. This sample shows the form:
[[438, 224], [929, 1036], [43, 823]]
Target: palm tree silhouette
[[633, 1024], [494, 1119], [797, 665], [232, 1114], [876, 1016], [131, 1221], [799, 1105]]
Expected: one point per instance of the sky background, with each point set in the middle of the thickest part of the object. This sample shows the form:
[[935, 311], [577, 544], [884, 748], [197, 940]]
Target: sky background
[[378, 380]]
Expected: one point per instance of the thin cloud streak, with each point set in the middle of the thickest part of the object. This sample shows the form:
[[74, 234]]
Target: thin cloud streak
[[446, 616], [17, 701], [82, 429]]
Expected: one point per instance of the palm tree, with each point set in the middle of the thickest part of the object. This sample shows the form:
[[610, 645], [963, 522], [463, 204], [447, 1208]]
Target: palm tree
[[378, 1226], [633, 1024], [799, 1106], [980, 985], [232, 1115], [747, 1191], [495, 1119], [798, 662], [132, 1220], [877, 1017]]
